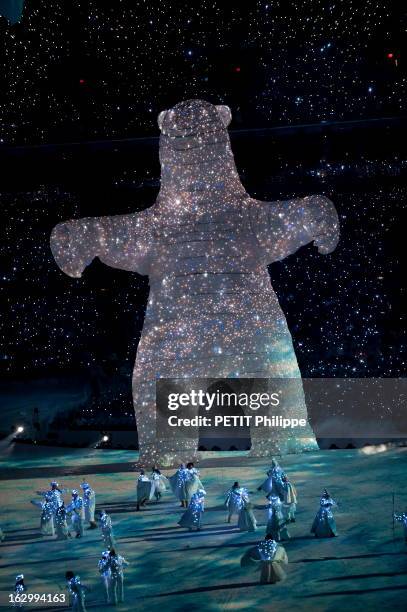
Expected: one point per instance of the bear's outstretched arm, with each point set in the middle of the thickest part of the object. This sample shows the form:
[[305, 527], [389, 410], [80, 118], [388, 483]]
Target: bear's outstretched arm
[[282, 227], [120, 241]]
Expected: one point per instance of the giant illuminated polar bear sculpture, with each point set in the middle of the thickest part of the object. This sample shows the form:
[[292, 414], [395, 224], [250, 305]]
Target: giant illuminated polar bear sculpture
[[205, 245]]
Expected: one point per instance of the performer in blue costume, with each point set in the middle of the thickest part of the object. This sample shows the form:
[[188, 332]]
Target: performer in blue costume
[[233, 501], [402, 518], [276, 523], [273, 485], [192, 517], [178, 484], [324, 525], [247, 520]]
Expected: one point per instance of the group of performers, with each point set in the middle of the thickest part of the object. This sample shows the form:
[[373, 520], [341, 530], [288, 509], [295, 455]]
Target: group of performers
[[186, 486], [111, 566], [188, 489], [150, 487], [281, 506], [111, 570], [54, 512], [268, 555], [81, 510], [282, 497]]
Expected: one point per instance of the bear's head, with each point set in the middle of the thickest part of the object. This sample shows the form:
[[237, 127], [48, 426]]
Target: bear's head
[[194, 144], [193, 122]]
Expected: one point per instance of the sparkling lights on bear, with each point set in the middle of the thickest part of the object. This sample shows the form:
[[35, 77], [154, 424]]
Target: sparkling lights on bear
[[205, 246]]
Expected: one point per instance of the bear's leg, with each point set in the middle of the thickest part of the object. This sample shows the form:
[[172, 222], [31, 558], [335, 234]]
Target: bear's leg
[[159, 443], [267, 440]]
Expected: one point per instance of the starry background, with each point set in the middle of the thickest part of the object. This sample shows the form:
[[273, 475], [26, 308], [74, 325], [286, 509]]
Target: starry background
[[99, 75], [88, 69]]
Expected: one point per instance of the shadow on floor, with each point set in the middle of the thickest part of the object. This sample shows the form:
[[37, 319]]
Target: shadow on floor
[[359, 576], [218, 587], [354, 592], [368, 556]]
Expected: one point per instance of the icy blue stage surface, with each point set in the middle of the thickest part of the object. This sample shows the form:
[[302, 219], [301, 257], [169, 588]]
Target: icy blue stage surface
[[172, 569]]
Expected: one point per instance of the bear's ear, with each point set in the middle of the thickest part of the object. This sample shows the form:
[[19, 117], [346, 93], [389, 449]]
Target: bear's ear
[[160, 119], [225, 114]]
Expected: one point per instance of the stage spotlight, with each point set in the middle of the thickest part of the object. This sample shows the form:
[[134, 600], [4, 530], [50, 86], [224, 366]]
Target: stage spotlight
[[20, 429], [105, 438]]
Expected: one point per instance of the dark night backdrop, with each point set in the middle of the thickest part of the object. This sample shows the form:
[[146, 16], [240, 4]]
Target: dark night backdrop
[[81, 72], [90, 69]]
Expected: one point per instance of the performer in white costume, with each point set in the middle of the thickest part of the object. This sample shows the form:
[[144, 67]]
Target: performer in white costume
[[247, 520], [205, 245], [54, 499], [233, 501], [276, 523], [89, 504], [192, 517], [107, 529], [19, 589], [47, 524], [61, 526], [402, 518], [145, 489], [76, 592], [160, 483], [116, 565], [270, 558], [178, 484], [54, 494], [193, 483], [289, 500], [77, 513], [105, 574]]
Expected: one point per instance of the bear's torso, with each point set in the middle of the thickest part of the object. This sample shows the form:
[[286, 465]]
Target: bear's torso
[[211, 299]]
